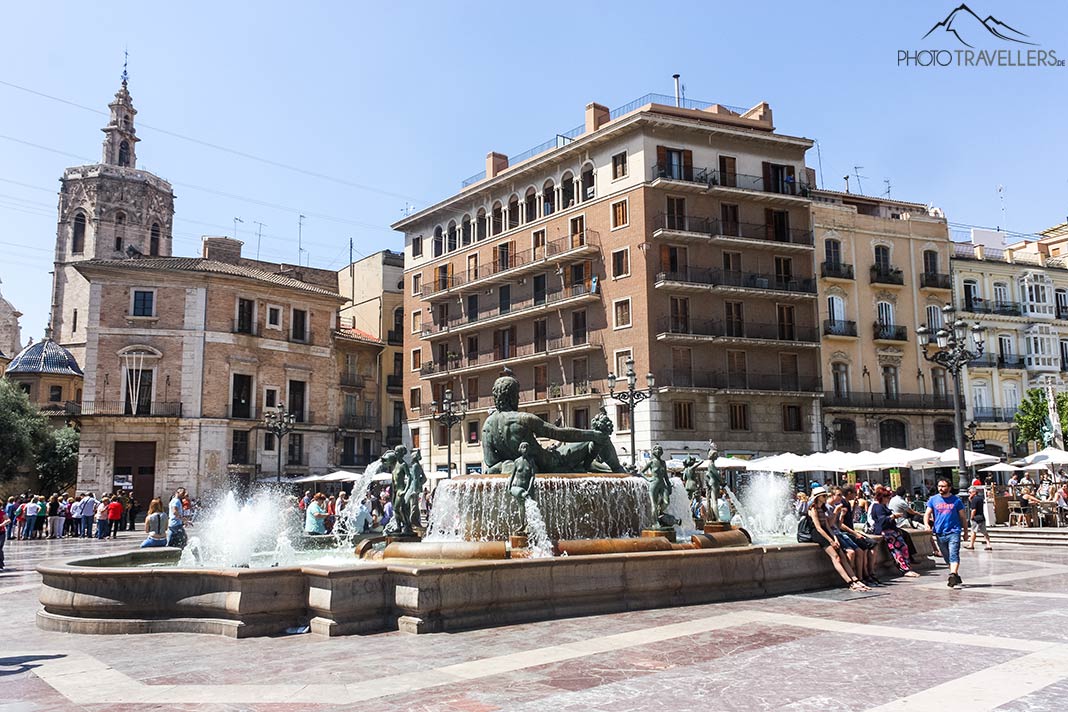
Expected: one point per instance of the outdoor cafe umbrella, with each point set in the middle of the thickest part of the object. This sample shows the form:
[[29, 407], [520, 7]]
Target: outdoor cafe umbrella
[[950, 458], [1048, 456], [1001, 467], [892, 457], [786, 462]]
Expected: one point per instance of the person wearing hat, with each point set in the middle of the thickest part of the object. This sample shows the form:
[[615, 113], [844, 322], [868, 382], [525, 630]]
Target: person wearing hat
[[822, 535], [976, 500]]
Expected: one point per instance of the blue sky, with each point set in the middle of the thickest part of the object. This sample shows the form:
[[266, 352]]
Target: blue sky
[[398, 104]]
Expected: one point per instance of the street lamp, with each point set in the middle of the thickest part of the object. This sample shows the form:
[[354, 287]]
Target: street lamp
[[952, 353], [631, 397], [448, 416], [280, 423]]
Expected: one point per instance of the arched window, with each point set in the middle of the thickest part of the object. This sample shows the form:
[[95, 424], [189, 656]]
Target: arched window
[[832, 250], [120, 231], [586, 179], [892, 433], [930, 262], [497, 219], [124, 154], [882, 258], [938, 382], [480, 224], [934, 317], [439, 242], [77, 238], [548, 197], [567, 190], [398, 319], [126, 121], [885, 311], [845, 435], [971, 294], [530, 205], [451, 234], [513, 211], [153, 240], [465, 230], [835, 314]]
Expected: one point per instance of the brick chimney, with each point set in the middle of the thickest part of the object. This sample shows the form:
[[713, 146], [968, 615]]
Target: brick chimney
[[222, 249], [495, 163], [596, 116]]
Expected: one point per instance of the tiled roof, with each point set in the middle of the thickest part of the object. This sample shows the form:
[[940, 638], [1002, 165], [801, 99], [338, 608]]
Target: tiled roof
[[206, 266], [352, 333], [45, 356]]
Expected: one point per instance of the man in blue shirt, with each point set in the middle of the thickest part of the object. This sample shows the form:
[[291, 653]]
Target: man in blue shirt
[[945, 514], [176, 520]]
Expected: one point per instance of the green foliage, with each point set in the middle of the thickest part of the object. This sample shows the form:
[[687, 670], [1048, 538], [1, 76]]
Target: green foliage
[[57, 460], [22, 430], [1031, 415]]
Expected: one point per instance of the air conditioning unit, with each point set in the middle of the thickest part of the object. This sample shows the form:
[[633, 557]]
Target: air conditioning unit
[[590, 192]]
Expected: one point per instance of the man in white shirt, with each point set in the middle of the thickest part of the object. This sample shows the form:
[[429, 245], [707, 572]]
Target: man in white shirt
[[89, 504]]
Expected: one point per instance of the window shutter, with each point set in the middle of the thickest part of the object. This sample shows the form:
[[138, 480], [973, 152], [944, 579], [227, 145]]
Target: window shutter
[[665, 258], [587, 272], [767, 176], [687, 165], [769, 222], [496, 258], [661, 161]]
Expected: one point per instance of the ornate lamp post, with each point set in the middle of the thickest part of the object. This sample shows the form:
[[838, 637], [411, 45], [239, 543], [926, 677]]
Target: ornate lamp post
[[448, 416], [280, 423], [952, 352], [631, 397]]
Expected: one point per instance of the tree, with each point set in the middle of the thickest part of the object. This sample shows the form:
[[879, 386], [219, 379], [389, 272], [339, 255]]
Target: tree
[[1031, 416], [22, 430], [57, 460]]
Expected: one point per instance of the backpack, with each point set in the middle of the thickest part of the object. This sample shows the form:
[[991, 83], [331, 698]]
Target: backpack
[[804, 530]]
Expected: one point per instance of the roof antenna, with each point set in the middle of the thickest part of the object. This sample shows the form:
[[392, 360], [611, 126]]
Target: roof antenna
[[1001, 197], [125, 61], [846, 179], [887, 182], [856, 173], [678, 95]]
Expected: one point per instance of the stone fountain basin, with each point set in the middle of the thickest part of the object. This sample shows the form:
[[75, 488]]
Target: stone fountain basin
[[111, 594]]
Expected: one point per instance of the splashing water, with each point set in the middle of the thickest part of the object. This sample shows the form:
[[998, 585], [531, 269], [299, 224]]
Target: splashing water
[[679, 507], [233, 534], [541, 547], [765, 507]]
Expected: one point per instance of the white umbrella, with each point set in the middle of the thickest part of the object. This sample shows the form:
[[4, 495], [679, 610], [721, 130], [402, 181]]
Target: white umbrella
[[1048, 456], [891, 457], [1035, 467], [1001, 467], [834, 461], [725, 463], [381, 477], [675, 465], [786, 462], [971, 459], [339, 476]]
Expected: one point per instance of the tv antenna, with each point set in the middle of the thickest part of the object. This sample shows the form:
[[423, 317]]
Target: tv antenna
[[300, 237], [1001, 198], [886, 181], [259, 235], [856, 174], [846, 179]]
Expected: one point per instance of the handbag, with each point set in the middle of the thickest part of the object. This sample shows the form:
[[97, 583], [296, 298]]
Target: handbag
[[804, 530]]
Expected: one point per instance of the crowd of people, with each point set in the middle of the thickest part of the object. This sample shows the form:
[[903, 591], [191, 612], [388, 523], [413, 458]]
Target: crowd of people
[[850, 522], [321, 514]]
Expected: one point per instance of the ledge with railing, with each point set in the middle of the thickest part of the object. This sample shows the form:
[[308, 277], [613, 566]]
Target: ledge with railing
[[889, 332], [763, 232], [142, 409], [926, 401], [394, 382], [997, 361], [936, 280], [359, 422], [886, 274], [395, 337], [393, 434], [488, 357], [993, 306], [533, 303], [836, 270], [994, 415], [533, 397], [713, 178], [352, 460], [737, 329], [718, 277], [241, 326], [839, 327], [737, 381], [352, 380]]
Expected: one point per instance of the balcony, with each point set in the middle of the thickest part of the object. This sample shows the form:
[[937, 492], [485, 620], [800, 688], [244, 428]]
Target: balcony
[[510, 355], [976, 305], [935, 280], [393, 435], [352, 380], [515, 311], [838, 327], [716, 181], [889, 332], [836, 270], [243, 326], [994, 415], [359, 422], [394, 383], [395, 337], [533, 397], [882, 401], [154, 409], [716, 278], [885, 274], [693, 225], [997, 361], [676, 328], [1062, 312], [511, 266], [354, 460], [722, 380]]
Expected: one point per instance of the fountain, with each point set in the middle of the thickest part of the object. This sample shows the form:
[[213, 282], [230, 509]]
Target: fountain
[[765, 508], [546, 532]]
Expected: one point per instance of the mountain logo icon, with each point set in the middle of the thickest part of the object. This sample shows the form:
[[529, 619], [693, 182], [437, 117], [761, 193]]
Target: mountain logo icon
[[965, 25]]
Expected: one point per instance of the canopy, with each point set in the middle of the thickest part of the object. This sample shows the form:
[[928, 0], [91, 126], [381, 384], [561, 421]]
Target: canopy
[[895, 457], [786, 462], [675, 465], [339, 476], [1000, 467], [1035, 467], [382, 477], [1048, 456], [725, 463], [950, 458]]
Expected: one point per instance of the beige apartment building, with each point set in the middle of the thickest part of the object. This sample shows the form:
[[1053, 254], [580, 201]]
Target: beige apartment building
[[1018, 291], [373, 287], [185, 355], [676, 236], [884, 271]]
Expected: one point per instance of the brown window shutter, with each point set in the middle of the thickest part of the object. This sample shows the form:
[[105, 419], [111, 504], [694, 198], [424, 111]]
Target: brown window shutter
[[687, 165], [496, 257], [661, 160], [769, 220], [767, 176], [665, 258], [587, 272]]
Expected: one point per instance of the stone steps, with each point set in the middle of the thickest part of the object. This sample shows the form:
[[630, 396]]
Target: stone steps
[[1029, 537]]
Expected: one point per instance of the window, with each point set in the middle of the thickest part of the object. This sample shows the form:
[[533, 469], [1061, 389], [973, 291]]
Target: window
[[682, 413], [737, 369], [892, 433], [417, 284], [938, 382], [729, 221], [144, 302], [734, 323], [246, 317], [619, 166], [120, 230], [268, 442], [296, 449], [840, 378], [930, 262], [578, 327], [621, 309], [728, 171], [153, 240], [784, 272], [622, 418], [541, 335], [472, 431], [785, 318], [738, 415], [124, 154], [270, 397], [417, 359], [679, 312], [885, 311], [417, 246], [537, 243], [297, 391], [882, 258], [934, 317], [239, 448], [836, 312], [416, 438], [580, 418], [621, 362], [890, 383], [74, 321], [791, 418], [417, 324], [732, 262], [832, 251], [77, 241], [1001, 292], [619, 214], [681, 367], [675, 218], [299, 321], [274, 317], [241, 396], [673, 259], [621, 263], [55, 394], [789, 372]]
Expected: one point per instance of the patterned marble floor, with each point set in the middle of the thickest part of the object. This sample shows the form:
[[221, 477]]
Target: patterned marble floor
[[999, 643]]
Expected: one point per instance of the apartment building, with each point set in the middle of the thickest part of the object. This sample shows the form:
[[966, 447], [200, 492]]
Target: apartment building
[[183, 358], [884, 271], [373, 287], [678, 236], [1019, 293]]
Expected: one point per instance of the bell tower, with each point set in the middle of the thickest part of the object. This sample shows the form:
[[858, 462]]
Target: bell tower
[[107, 211]]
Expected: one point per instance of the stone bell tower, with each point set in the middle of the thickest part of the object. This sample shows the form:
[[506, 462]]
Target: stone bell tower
[[107, 211]]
